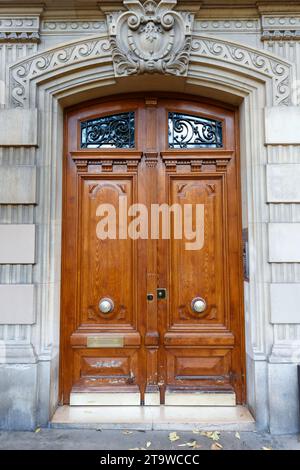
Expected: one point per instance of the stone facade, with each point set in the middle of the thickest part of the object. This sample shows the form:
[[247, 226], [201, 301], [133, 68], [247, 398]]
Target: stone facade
[[244, 53]]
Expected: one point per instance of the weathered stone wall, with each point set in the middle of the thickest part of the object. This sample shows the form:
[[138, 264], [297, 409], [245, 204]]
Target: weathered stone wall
[[230, 60]]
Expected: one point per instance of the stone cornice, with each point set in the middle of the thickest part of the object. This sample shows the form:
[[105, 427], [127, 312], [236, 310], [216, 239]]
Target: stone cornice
[[263, 6], [20, 27], [278, 21], [278, 27], [274, 8], [192, 6]]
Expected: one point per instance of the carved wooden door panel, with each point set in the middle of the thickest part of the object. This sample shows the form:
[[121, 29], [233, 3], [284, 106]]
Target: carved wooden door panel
[[201, 325], [150, 317]]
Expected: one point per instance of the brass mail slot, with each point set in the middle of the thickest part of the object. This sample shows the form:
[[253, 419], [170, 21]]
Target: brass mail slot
[[105, 342]]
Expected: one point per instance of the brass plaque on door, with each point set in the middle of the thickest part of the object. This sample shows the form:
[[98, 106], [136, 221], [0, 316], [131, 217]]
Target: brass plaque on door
[[105, 342]]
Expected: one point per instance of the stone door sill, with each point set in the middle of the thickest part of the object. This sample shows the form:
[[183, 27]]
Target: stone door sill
[[231, 418]]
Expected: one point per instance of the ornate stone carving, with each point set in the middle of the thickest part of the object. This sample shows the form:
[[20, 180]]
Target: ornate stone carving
[[284, 35], [251, 59], [19, 37], [251, 25], [23, 72], [278, 28], [73, 26], [19, 29], [203, 48], [150, 37]]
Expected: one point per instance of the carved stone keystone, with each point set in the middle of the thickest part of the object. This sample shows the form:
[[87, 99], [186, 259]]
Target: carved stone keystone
[[150, 38]]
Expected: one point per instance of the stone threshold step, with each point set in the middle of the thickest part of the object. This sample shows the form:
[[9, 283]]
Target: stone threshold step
[[231, 418], [172, 398]]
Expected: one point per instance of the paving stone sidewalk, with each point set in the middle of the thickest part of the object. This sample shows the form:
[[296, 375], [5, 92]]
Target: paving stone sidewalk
[[73, 439]]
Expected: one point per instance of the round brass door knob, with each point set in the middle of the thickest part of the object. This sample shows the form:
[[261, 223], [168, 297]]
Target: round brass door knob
[[198, 305], [106, 305]]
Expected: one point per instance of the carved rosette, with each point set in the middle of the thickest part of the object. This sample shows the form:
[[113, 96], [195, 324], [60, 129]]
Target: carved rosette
[[150, 38]]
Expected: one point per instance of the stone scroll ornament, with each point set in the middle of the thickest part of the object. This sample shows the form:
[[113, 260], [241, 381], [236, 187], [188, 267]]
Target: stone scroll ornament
[[150, 38]]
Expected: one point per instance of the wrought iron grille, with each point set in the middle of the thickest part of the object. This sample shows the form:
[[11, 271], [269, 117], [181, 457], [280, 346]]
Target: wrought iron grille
[[186, 131], [115, 131]]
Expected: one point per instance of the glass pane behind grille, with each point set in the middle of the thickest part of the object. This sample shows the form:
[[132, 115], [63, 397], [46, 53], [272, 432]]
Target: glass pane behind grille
[[186, 131], [115, 131]]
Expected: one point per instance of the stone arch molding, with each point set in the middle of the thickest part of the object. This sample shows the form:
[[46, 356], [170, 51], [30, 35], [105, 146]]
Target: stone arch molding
[[95, 51]]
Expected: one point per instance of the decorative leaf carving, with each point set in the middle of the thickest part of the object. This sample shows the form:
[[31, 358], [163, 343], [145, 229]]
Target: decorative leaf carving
[[95, 188]]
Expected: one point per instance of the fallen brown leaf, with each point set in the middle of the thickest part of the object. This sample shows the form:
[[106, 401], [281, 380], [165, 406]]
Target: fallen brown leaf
[[173, 436], [216, 446]]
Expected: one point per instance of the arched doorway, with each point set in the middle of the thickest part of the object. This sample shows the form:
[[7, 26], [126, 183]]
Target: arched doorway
[[152, 313]]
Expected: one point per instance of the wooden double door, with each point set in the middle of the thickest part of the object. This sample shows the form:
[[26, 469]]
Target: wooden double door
[[151, 315]]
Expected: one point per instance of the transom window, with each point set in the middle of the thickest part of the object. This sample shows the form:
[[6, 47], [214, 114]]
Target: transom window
[[115, 131], [187, 131], [118, 131]]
